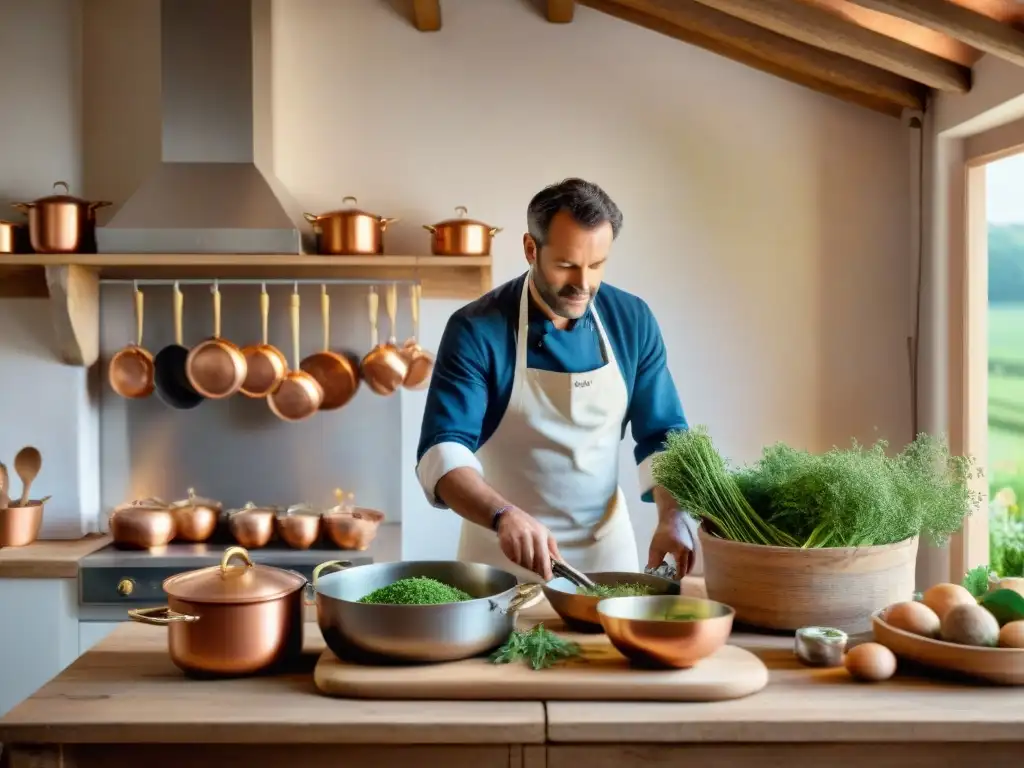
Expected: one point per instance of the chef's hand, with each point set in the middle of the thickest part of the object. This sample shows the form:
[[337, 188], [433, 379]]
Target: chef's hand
[[527, 543], [675, 535]]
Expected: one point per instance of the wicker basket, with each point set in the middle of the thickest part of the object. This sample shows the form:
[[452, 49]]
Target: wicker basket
[[786, 588]]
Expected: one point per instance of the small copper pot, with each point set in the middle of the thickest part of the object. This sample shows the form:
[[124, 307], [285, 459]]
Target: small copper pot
[[62, 223], [195, 518], [461, 236], [265, 364], [19, 525], [352, 528], [13, 237], [299, 394], [231, 620], [349, 232], [216, 368], [419, 362], [251, 526], [384, 368], [142, 524], [299, 526]]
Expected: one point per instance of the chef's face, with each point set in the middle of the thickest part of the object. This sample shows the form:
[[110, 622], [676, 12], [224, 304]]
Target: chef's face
[[569, 265]]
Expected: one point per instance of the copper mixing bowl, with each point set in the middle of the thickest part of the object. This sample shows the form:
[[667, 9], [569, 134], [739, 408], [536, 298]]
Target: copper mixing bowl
[[579, 611], [642, 630]]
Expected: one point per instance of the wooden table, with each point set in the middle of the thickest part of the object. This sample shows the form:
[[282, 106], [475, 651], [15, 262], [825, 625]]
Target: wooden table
[[124, 703]]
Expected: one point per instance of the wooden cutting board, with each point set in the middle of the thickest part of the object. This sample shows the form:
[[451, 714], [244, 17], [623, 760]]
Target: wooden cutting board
[[600, 674]]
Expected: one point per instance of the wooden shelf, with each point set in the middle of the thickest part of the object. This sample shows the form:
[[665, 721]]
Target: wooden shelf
[[71, 281]]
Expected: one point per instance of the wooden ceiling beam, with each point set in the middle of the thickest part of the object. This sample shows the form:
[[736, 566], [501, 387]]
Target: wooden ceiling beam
[[975, 29], [426, 15], [769, 52], [560, 11], [825, 29]]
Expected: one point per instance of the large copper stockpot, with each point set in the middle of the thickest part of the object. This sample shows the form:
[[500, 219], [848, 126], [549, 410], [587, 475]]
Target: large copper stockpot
[[349, 232], [230, 620], [461, 236], [62, 223]]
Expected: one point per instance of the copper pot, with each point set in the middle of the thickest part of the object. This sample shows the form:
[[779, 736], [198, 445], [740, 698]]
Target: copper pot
[[230, 620], [461, 236], [419, 362], [13, 237], [349, 232], [265, 364], [337, 374], [252, 526], [142, 524], [384, 367], [299, 395], [216, 368], [352, 528], [19, 524], [132, 369], [62, 223], [299, 526], [195, 518]]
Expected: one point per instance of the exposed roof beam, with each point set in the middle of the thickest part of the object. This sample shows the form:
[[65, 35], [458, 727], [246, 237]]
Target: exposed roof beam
[[560, 11], [426, 15], [823, 28], [977, 30], [767, 51]]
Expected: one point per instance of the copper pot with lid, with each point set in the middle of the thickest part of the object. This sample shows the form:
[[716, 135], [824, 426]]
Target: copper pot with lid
[[299, 526], [195, 518], [142, 524], [62, 223], [461, 236], [231, 619], [252, 526], [349, 231]]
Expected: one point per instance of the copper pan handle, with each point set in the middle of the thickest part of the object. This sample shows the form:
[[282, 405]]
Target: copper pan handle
[[325, 316], [494, 231], [430, 228], [179, 305], [373, 302], [139, 304], [295, 306], [414, 309], [391, 301], [216, 310], [231, 553], [312, 218], [23, 207], [265, 312], [159, 617], [384, 221]]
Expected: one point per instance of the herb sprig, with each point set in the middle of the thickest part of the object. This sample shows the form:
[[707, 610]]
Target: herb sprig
[[539, 646]]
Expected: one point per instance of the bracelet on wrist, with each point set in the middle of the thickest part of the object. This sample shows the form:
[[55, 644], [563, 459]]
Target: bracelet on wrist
[[498, 514]]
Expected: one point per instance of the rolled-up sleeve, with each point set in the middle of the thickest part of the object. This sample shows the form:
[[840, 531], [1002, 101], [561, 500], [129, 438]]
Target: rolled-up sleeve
[[655, 409], [456, 405]]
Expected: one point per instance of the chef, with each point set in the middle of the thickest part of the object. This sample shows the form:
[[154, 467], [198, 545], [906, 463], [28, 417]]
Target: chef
[[533, 386]]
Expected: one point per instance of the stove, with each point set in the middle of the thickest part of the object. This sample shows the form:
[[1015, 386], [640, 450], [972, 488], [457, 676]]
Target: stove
[[133, 578]]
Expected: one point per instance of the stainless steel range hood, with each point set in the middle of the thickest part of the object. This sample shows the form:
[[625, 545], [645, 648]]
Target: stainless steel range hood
[[207, 195]]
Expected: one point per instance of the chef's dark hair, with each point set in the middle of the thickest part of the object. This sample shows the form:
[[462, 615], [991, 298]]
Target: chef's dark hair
[[588, 204]]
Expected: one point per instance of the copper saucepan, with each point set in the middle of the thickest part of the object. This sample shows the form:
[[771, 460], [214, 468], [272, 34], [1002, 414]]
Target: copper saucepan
[[62, 223], [195, 518], [384, 368], [350, 231], [216, 367], [265, 364], [231, 620], [142, 524], [132, 368], [299, 394], [337, 375], [461, 236], [420, 362], [13, 237]]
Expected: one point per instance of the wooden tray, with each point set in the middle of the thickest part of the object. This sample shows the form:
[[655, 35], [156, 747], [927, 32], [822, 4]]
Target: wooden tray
[[600, 674], [1004, 666]]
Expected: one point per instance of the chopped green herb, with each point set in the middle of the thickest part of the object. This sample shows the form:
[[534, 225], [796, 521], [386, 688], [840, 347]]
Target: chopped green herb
[[615, 590], [416, 590], [541, 647]]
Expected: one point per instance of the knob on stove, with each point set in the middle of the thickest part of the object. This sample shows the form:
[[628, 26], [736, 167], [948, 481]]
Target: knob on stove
[[125, 587]]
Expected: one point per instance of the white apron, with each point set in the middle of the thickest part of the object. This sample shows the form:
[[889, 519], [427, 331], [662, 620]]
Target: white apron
[[555, 454]]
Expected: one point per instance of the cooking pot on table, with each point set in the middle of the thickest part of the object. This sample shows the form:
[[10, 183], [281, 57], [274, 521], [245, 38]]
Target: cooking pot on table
[[231, 620], [62, 223], [374, 633]]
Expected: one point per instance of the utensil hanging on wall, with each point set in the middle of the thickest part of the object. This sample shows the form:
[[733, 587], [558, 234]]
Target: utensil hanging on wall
[[131, 369], [337, 375], [419, 361], [384, 368], [170, 366], [299, 394], [216, 367], [266, 365]]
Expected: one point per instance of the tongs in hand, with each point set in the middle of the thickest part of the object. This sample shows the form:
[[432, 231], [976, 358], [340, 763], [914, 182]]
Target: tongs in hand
[[566, 571]]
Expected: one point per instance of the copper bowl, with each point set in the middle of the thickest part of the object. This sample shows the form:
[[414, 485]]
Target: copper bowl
[[579, 611], [642, 630], [19, 526], [352, 529]]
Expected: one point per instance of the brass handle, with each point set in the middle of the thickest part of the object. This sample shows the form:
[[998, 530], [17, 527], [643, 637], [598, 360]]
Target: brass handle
[[125, 587], [391, 302], [265, 312], [373, 303], [160, 617], [339, 565], [295, 330], [325, 316], [233, 552], [139, 304], [216, 310], [179, 305]]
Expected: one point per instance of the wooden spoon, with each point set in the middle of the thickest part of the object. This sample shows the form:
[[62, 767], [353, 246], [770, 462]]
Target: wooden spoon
[[27, 464]]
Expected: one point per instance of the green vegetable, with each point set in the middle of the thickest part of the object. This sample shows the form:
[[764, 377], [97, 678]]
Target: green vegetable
[[416, 590], [976, 580], [1005, 604], [681, 616], [541, 647], [850, 497], [615, 590]]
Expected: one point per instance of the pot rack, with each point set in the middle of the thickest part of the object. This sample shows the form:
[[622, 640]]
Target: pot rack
[[71, 282]]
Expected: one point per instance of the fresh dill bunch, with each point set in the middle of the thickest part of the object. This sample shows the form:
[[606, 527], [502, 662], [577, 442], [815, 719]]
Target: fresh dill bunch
[[539, 646]]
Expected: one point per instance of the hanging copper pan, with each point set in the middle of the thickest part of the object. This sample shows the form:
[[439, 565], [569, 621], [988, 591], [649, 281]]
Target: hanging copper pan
[[461, 236], [337, 375], [419, 361], [384, 368], [299, 394], [265, 364], [131, 369], [216, 367]]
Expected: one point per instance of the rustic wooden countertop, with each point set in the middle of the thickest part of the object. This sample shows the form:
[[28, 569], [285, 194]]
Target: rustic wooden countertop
[[49, 559]]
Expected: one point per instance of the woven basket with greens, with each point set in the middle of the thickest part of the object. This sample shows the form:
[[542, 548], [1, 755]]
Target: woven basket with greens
[[855, 497]]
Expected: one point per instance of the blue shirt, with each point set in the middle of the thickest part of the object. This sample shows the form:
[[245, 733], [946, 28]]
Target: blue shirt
[[471, 385]]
